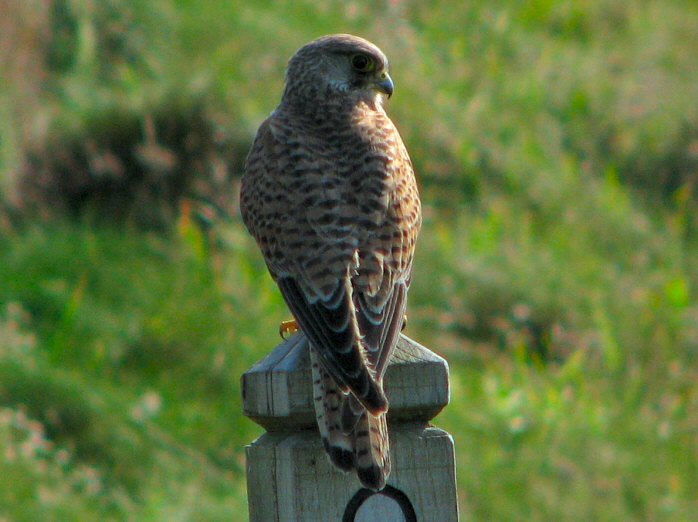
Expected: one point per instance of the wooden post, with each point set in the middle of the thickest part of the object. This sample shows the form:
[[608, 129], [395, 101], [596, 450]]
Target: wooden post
[[290, 478]]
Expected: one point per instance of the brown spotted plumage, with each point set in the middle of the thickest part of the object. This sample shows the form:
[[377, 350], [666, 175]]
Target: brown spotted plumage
[[330, 196]]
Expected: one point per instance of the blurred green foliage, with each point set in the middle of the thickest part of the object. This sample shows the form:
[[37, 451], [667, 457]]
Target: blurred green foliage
[[556, 145]]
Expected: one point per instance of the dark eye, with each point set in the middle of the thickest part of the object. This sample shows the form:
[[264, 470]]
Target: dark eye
[[362, 63]]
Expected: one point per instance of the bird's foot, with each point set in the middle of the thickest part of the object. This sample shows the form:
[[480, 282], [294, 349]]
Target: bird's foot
[[288, 328], [404, 322]]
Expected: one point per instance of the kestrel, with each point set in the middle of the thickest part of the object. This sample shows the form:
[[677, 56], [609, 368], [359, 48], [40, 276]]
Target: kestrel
[[330, 196]]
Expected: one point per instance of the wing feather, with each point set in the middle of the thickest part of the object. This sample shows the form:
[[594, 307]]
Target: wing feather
[[381, 329], [333, 333]]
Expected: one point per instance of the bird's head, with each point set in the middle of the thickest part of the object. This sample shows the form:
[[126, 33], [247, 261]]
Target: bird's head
[[338, 66]]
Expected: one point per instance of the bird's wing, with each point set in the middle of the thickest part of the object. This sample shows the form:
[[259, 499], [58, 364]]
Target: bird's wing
[[311, 266], [332, 330], [257, 193], [381, 326], [385, 266]]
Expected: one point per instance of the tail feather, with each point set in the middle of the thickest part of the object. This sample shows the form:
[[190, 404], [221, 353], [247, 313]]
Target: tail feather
[[372, 451], [351, 412], [328, 398], [353, 437]]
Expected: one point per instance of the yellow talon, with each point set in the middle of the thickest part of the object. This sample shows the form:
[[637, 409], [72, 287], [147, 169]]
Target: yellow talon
[[288, 328]]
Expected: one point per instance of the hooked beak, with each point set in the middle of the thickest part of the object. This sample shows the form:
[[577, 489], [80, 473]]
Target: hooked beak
[[385, 84]]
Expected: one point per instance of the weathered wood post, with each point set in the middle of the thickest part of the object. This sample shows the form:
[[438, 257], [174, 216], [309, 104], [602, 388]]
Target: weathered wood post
[[289, 477]]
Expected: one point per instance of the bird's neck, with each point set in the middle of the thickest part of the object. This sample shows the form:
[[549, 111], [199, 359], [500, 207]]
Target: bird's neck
[[321, 108]]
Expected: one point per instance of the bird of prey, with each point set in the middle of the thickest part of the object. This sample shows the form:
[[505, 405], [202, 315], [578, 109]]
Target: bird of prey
[[330, 196]]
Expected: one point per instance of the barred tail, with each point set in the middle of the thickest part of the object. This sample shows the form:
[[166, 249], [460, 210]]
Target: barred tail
[[353, 438], [328, 398], [372, 451]]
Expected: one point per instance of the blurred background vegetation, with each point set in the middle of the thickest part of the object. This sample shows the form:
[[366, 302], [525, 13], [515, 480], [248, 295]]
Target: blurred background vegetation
[[556, 145]]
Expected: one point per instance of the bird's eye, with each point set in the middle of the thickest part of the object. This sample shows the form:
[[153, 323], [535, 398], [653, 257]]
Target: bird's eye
[[362, 63]]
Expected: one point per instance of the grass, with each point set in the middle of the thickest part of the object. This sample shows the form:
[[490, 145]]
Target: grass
[[556, 146], [111, 369]]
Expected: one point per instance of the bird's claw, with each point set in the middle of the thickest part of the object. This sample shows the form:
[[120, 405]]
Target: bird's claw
[[288, 328]]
